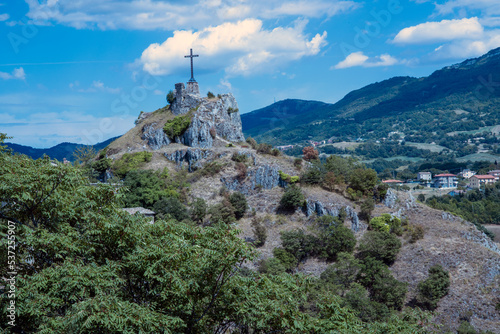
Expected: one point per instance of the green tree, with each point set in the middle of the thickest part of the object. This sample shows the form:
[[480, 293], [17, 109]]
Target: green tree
[[336, 239], [292, 198], [432, 289], [171, 207], [170, 97], [198, 210], [239, 203], [343, 272], [383, 246], [363, 180]]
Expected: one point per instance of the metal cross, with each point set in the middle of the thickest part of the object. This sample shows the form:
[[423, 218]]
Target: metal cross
[[191, 55]]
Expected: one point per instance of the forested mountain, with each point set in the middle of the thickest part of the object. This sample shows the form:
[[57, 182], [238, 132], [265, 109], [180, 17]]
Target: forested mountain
[[58, 152], [461, 97]]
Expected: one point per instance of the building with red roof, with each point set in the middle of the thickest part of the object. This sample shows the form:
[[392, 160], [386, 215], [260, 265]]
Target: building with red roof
[[477, 180]]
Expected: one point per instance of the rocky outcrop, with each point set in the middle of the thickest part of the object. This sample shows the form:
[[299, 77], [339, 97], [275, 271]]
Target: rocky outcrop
[[189, 156], [320, 209], [154, 137], [262, 176]]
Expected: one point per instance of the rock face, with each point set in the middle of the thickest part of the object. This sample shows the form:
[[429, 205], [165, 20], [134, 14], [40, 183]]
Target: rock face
[[211, 118]]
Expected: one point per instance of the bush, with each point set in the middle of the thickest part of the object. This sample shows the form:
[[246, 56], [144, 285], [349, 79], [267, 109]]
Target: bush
[[389, 291], [415, 232], [170, 97], [210, 95], [259, 232], [271, 266], [222, 213], [357, 299], [239, 157], [102, 165], [298, 244], [366, 209], [309, 153], [241, 171], [172, 207], [421, 198], [198, 210], [252, 142], [130, 161], [287, 178], [343, 272], [211, 169], [363, 180], [177, 126], [292, 198], [239, 203], [382, 246], [232, 110], [264, 148], [337, 239], [432, 289], [297, 163], [288, 260], [275, 152], [313, 175], [386, 223]]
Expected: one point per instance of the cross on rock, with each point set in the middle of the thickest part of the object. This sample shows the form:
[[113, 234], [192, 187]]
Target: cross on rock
[[191, 55]]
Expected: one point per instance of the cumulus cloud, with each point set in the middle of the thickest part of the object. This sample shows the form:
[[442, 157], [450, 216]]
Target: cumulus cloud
[[468, 48], [487, 7], [172, 15], [249, 47], [445, 30], [360, 59], [17, 74]]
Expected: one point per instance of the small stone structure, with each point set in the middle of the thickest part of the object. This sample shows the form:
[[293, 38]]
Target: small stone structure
[[142, 211]]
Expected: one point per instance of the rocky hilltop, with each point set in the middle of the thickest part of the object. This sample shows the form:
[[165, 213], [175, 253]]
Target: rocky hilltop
[[212, 121]]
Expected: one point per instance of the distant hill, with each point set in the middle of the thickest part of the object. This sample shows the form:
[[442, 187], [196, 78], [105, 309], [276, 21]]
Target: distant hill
[[464, 97], [58, 152]]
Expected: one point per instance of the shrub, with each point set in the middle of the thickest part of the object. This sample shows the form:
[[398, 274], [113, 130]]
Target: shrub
[[239, 203], [264, 148], [271, 266], [363, 180], [415, 232], [288, 260], [292, 198], [239, 157], [222, 213], [337, 239], [198, 210], [252, 142], [170, 97], [386, 223], [357, 299], [102, 164], [383, 246], [366, 209], [299, 244], [259, 232], [131, 161], [210, 95], [343, 272], [466, 328], [389, 291], [297, 163], [211, 169], [172, 207], [313, 175], [241, 171], [275, 152], [309, 153], [231, 110], [287, 178], [421, 198], [432, 289], [177, 126]]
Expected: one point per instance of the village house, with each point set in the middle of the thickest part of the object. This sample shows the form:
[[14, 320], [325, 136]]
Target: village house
[[445, 181], [477, 180], [467, 173], [424, 176], [495, 173]]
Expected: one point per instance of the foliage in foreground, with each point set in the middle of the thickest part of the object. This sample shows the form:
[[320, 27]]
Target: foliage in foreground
[[84, 266]]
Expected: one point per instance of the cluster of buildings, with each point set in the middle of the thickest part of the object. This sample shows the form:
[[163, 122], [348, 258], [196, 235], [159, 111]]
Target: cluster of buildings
[[447, 180]]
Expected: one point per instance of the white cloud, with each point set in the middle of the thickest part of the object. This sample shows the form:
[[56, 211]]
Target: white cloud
[[172, 15], [488, 7], [49, 129], [17, 74], [360, 59], [445, 30], [4, 17], [246, 43], [97, 86], [468, 48]]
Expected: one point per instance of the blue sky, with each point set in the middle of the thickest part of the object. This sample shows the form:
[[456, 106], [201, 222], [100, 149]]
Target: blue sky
[[82, 70]]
